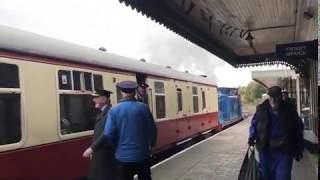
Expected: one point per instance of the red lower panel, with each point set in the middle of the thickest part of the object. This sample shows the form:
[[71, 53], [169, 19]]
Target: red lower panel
[[166, 134], [183, 129], [61, 160], [179, 129], [203, 122]]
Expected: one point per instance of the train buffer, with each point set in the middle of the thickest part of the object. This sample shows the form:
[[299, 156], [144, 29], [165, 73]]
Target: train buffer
[[219, 158]]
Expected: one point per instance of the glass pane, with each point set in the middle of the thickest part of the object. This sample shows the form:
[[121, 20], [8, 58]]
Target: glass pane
[[97, 80], [77, 113], [64, 80], [159, 87], [194, 90], [87, 81], [195, 104], [76, 80], [203, 99], [9, 76], [179, 95], [10, 118], [160, 107]]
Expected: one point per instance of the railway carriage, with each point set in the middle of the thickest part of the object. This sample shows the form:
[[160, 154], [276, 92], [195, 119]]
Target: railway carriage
[[47, 113]]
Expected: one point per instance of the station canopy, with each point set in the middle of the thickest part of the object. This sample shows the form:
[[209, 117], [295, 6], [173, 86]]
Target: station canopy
[[241, 32], [270, 78]]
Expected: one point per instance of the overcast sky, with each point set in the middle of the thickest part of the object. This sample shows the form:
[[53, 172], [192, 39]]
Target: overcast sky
[[121, 30]]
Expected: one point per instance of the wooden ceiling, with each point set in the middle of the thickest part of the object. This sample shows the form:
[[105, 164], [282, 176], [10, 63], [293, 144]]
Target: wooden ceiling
[[240, 32]]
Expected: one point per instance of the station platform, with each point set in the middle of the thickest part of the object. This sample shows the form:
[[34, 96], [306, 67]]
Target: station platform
[[220, 157]]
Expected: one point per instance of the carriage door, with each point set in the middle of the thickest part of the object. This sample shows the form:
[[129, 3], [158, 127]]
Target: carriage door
[[144, 93], [182, 120]]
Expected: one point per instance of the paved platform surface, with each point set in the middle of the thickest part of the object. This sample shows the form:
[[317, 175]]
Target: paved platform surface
[[219, 158]]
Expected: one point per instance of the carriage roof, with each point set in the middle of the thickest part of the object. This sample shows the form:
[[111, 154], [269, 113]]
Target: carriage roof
[[26, 42]]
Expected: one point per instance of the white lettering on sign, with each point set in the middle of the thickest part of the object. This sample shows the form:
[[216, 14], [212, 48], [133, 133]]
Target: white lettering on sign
[[296, 51]]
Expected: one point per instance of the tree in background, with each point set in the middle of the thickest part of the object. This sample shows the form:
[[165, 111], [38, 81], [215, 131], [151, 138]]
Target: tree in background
[[251, 95]]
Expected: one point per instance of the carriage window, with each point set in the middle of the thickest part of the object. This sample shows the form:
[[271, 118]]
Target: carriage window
[[160, 100], [10, 106], [98, 82], [64, 80], [179, 99], [9, 76], [195, 99], [83, 81], [77, 113], [76, 80], [88, 81], [203, 100], [159, 87], [10, 118]]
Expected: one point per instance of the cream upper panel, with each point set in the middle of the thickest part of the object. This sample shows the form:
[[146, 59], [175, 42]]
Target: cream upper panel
[[213, 98], [171, 100], [110, 79], [41, 100]]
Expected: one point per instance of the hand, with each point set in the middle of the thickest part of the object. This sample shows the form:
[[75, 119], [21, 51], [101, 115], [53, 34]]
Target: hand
[[251, 141], [298, 156], [88, 153]]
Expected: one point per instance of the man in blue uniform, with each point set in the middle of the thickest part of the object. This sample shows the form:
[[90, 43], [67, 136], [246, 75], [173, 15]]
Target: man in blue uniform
[[131, 129], [277, 131]]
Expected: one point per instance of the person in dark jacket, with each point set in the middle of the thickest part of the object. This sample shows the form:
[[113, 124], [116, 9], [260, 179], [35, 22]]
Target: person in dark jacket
[[142, 95], [130, 127], [102, 165], [277, 131]]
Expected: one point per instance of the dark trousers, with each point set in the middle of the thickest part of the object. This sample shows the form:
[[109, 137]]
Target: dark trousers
[[127, 170], [275, 166]]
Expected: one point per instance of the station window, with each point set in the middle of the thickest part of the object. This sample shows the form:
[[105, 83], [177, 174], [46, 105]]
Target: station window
[[160, 100], [204, 100], [179, 99], [10, 104], [195, 99], [77, 111]]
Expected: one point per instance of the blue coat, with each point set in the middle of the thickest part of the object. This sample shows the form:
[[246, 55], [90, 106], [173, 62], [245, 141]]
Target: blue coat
[[131, 129]]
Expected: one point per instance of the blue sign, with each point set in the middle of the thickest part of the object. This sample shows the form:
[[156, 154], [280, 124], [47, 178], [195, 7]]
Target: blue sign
[[307, 49]]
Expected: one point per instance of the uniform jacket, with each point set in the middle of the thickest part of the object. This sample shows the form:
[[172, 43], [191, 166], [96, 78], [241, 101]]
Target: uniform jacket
[[131, 129], [282, 132], [102, 165]]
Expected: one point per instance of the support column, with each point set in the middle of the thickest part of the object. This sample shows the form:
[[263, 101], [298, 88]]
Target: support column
[[298, 94]]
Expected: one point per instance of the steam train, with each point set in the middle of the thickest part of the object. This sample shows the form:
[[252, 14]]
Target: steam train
[[46, 109]]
